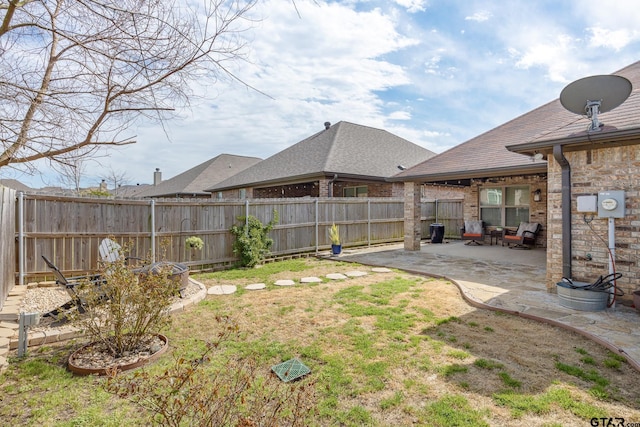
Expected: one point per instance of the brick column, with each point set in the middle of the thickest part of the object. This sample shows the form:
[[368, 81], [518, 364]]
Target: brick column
[[323, 187], [412, 224]]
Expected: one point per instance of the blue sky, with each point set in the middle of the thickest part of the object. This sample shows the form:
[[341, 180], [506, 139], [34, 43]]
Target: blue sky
[[436, 73]]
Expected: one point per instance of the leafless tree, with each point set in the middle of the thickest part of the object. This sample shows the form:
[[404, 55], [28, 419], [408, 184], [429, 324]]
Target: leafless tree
[[71, 173], [75, 75], [116, 178]]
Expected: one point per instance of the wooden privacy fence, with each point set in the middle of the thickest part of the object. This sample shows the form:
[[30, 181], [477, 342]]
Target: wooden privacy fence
[[7, 242], [68, 231]]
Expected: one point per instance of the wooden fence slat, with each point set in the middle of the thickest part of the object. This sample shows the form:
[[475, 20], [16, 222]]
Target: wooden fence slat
[[68, 230], [7, 242]]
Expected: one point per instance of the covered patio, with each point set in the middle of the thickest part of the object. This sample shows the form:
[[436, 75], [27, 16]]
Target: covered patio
[[512, 281]]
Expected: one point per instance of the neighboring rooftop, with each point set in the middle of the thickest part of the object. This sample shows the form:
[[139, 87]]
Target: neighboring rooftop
[[194, 182], [15, 184], [347, 149]]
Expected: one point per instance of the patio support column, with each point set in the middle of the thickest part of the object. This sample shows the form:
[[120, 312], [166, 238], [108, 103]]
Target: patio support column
[[412, 226]]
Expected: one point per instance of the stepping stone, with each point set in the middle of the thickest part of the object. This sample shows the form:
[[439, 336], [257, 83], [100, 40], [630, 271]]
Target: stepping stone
[[355, 273], [381, 270], [284, 282], [310, 280], [222, 290], [336, 276], [255, 286]]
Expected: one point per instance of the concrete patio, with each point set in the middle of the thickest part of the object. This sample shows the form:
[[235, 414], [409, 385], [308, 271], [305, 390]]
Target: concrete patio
[[510, 280]]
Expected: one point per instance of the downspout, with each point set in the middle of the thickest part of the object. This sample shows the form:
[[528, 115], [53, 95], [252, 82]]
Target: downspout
[[330, 185], [566, 209]]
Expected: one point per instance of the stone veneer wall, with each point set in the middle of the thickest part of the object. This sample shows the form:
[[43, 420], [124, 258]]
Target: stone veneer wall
[[593, 171]]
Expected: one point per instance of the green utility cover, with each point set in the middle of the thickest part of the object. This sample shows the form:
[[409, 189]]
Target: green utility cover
[[290, 370]]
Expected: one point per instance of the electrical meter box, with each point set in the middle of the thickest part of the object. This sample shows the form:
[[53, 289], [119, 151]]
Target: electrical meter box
[[587, 203], [611, 204]]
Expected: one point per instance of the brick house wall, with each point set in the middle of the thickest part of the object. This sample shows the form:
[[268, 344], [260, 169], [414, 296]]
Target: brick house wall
[[433, 192], [321, 189], [318, 188], [592, 171], [537, 210]]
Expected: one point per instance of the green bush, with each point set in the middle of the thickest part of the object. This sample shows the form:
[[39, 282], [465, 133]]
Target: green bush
[[252, 243], [128, 308]]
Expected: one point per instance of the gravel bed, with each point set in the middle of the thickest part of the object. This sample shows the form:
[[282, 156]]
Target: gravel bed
[[44, 299]]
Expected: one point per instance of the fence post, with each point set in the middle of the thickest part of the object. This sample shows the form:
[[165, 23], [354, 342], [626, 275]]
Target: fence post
[[20, 238], [153, 230], [369, 222], [246, 217], [317, 226]]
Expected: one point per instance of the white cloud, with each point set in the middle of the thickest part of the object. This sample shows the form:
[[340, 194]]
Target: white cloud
[[400, 115], [613, 39], [480, 16], [423, 71], [413, 6]]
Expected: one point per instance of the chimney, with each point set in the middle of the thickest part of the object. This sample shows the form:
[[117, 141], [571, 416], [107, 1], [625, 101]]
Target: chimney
[[157, 177], [103, 185], [327, 125]]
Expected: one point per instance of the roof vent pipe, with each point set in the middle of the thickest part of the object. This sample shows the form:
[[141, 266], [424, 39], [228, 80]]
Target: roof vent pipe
[[330, 185], [327, 125], [565, 168]]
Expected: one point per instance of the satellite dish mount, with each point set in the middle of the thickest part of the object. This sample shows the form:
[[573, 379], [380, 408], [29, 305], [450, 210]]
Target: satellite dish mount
[[592, 96], [592, 109]]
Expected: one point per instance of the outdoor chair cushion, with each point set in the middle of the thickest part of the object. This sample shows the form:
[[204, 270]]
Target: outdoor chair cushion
[[473, 228], [531, 227]]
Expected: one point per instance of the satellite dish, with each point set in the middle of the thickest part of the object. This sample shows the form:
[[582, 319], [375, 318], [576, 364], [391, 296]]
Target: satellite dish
[[594, 95]]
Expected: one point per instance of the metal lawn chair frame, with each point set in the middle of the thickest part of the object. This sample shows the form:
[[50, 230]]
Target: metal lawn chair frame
[[70, 284]]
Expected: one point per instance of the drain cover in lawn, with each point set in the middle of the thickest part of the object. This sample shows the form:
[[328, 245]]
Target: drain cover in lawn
[[290, 370]]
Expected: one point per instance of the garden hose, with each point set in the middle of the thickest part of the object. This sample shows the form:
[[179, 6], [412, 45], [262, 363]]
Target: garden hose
[[602, 284]]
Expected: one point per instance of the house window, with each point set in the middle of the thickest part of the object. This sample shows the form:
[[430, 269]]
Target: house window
[[355, 191], [243, 193], [507, 206]]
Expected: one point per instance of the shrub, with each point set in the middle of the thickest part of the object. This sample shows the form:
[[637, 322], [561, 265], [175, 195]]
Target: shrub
[[252, 242], [334, 234], [124, 311], [229, 392], [194, 242]]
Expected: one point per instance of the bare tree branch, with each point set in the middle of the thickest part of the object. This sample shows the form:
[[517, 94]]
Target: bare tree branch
[[75, 76]]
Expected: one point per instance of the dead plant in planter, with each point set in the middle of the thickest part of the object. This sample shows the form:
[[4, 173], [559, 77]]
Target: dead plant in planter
[[128, 309]]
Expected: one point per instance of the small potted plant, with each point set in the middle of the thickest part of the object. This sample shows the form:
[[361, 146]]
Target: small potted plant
[[334, 235], [194, 242]]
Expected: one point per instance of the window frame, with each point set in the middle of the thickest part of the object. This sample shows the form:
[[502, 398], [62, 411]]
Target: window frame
[[356, 188], [503, 207]]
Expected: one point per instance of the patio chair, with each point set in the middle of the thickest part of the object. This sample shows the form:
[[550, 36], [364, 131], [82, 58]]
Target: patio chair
[[70, 284], [524, 237], [473, 231], [111, 251]]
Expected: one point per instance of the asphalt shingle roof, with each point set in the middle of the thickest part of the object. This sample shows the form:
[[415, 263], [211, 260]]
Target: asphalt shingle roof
[[15, 184], [487, 154], [347, 149], [197, 179]]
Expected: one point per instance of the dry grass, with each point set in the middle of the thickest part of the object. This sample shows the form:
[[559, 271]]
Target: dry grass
[[401, 341], [386, 349]]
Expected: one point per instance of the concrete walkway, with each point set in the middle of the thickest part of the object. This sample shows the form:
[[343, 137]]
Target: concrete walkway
[[510, 280]]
